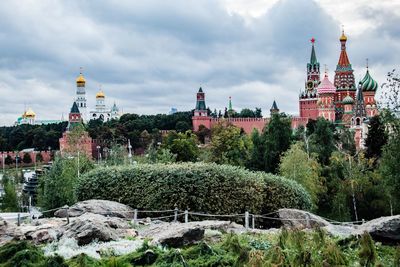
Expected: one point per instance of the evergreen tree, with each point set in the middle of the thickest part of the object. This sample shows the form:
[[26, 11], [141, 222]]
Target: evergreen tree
[[26, 158], [376, 138], [278, 137], [183, 145], [322, 139], [256, 161], [9, 201]]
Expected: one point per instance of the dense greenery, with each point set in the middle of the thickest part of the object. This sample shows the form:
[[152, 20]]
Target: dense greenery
[[211, 188], [40, 137], [289, 248], [56, 188], [9, 200]]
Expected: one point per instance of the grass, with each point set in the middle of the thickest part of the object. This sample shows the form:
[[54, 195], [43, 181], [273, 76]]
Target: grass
[[288, 248]]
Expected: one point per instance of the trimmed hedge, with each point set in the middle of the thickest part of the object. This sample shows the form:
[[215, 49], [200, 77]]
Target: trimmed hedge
[[211, 188]]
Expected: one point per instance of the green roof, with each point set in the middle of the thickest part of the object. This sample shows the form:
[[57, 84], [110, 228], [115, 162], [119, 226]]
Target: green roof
[[74, 108]]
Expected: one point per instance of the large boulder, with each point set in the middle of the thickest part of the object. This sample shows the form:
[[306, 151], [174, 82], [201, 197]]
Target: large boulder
[[89, 227], [97, 206], [181, 234], [300, 219], [383, 229]]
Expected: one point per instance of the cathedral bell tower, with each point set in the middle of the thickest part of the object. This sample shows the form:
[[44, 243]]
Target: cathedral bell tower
[[81, 95]]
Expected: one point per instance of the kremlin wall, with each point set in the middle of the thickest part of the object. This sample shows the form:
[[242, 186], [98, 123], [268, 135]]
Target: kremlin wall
[[341, 102]]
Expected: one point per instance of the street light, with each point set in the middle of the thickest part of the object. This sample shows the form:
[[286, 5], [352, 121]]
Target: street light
[[98, 154], [2, 160]]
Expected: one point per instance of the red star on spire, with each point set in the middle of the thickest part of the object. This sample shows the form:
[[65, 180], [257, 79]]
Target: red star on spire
[[312, 40]]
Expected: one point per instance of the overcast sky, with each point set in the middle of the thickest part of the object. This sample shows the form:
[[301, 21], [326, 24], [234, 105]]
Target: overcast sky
[[149, 56]]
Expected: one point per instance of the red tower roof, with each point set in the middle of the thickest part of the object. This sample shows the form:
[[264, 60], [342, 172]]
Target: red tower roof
[[343, 59]]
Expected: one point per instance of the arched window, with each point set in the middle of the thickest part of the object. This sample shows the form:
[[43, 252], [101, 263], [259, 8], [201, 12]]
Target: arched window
[[358, 121]]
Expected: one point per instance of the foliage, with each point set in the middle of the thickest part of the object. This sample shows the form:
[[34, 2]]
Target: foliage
[[40, 137], [256, 158], [229, 145], [211, 188], [376, 138], [56, 188], [39, 157], [321, 135], [26, 158], [277, 137], [289, 248], [183, 145], [367, 251], [9, 200], [298, 166]]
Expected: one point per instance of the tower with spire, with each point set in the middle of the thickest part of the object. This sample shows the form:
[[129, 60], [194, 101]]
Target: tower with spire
[[308, 97], [344, 79], [80, 98]]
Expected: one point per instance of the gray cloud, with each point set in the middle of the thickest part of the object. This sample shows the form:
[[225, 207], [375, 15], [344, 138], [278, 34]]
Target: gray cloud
[[152, 55]]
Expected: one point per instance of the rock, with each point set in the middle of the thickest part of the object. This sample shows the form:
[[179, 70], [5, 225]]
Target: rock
[[383, 229], [89, 227], [97, 206], [43, 231], [181, 234], [299, 219]]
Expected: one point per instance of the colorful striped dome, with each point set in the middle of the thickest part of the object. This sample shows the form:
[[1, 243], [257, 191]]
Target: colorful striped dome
[[348, 100], [326, 87], [368, 84]]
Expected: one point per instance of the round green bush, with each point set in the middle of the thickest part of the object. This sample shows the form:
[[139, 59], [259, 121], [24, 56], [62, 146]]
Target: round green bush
[[211, 188]]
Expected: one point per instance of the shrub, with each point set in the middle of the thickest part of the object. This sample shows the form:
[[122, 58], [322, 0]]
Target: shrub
[[211, 188]]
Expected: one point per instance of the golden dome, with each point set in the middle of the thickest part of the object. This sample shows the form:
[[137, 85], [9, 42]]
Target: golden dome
[[80, 79], [29, 113], [343, 37], [100, 94]]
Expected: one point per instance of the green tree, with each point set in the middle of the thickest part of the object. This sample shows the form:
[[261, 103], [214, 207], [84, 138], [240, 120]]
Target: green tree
[[39, 157], [26, 158], [165, 156], [297, 165], [256, 160], [229, 145], [9, 201], [182, 126], [56, 189], [322, 139], [376, 138], [8, 160], [183, 145], [246, 113], [277, 136]]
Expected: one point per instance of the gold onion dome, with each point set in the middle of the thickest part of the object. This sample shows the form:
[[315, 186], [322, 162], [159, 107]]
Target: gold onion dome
[[80, 79], [100, 94], [343, 37], [29, 113]]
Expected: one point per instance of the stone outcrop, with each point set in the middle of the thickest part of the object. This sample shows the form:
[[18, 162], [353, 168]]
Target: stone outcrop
[[89, 227], [180, 234], [299, 219], [96, 206], [383, 229]]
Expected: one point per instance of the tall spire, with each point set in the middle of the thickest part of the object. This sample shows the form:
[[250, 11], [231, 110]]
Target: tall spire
[[343, 59], [313, 72], [359, 107], [200, 101], [230, 104], [313, 59]]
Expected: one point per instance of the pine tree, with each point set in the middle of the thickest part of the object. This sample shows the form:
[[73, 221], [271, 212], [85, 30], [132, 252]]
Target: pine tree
[[376, 138]]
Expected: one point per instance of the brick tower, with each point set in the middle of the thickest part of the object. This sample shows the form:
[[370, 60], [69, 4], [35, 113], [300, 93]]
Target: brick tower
[[308, 98], [344, 79], [200, 112]]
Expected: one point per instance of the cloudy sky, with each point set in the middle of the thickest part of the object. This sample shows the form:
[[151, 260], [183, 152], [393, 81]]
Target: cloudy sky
[[152, 55]]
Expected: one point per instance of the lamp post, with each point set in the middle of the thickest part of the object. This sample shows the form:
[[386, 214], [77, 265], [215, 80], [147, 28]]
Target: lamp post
[[98, 154], [78, 166], [105, 154], [130, 151]]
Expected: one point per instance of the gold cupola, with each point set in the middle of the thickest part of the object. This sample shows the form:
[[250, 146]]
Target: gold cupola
[[80, 81], [100, 94]]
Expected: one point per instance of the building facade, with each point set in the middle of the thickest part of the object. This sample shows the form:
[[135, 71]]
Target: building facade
[[101, 111]]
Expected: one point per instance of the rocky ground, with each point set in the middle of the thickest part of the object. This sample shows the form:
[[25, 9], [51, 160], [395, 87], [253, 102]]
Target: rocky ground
[[107, 221]]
